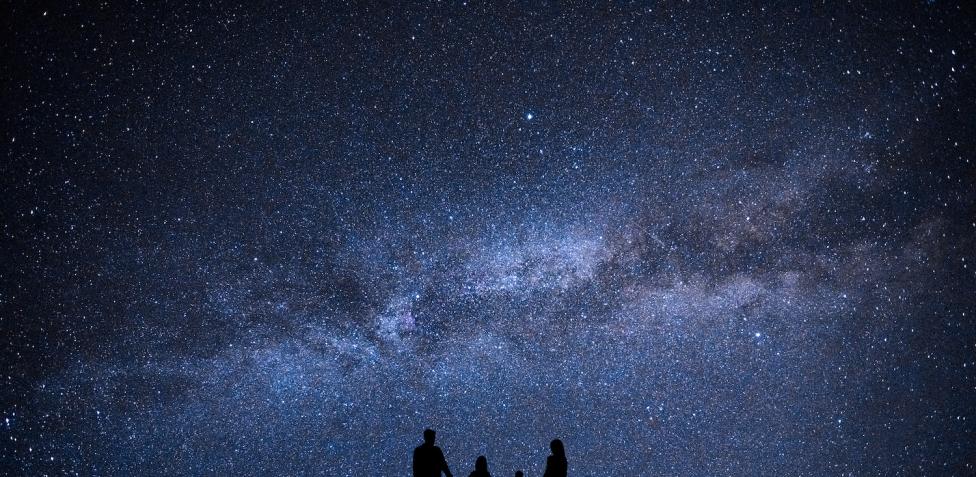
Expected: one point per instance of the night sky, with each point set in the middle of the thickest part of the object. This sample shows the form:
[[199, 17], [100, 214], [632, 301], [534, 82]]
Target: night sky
[[685, 238]]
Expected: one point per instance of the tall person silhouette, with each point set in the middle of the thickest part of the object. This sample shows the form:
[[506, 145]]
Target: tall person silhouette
[[480, 467], [556, 465], [428, 460]]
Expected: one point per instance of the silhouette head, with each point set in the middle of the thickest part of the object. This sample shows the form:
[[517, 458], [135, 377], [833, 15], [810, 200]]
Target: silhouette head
[[519, 473], [429, 436], [557, 448], [481, 464]]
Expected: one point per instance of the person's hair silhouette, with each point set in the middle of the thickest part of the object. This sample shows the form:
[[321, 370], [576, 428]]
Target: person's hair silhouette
[[519, 473], [480, 467], [556, 465], [428, 460]]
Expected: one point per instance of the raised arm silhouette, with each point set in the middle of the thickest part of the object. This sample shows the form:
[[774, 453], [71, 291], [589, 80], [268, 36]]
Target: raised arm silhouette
[[556, 465], [480, 467], [428, 460]]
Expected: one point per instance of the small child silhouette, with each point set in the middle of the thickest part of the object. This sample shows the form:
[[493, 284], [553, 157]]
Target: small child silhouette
[[480, 467]]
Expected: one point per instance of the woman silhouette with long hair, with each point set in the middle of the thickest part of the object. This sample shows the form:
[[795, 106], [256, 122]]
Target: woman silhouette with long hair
[[480, 467], [556, 465]]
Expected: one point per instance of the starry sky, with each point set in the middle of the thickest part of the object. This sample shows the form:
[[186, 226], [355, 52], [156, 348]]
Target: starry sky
[[686, 238]]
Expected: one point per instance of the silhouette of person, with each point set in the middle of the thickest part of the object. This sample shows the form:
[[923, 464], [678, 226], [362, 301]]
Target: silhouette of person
[[428, 460], [480, 467], [556, 465], [519, 473]]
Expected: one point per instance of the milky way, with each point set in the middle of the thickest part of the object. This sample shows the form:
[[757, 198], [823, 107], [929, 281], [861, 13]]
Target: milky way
[[686, 239]]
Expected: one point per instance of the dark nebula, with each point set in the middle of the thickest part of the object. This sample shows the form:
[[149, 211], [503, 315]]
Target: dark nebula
[[703, 238]]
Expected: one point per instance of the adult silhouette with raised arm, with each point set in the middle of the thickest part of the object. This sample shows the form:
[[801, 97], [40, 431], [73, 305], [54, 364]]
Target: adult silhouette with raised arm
[[556, 465], [428, 460], [480, 467]]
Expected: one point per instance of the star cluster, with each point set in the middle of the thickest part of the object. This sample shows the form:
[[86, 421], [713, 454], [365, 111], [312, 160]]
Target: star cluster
[[686, 239]]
